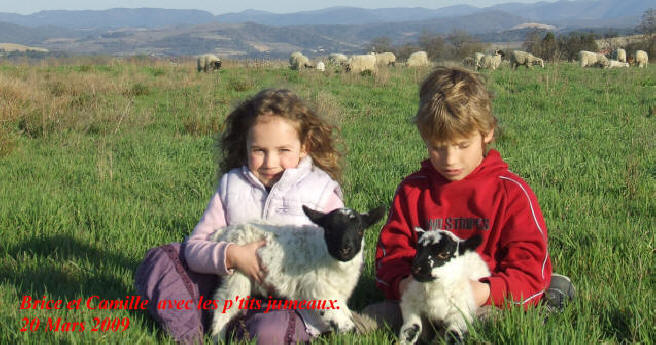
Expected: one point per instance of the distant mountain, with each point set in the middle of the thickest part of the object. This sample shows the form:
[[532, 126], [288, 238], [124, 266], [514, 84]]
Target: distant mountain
[[576, 10], [254, 33], [345, 15], [111, 19]]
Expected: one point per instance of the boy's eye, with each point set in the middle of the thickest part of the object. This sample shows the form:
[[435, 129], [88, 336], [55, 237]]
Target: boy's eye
[[463, 145]]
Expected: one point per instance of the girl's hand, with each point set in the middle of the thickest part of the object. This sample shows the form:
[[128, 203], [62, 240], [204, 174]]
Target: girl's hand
[[244, 259], [481, 292]]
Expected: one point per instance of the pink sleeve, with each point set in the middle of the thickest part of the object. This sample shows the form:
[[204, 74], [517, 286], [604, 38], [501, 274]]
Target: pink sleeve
[[203, 255], [334, 202]]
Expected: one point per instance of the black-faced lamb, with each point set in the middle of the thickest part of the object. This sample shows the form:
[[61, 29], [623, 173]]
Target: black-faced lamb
[[303, 263], [440, 286], [208, 63]]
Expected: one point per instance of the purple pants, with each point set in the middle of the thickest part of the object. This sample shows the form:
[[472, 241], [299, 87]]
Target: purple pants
[[164, 276]]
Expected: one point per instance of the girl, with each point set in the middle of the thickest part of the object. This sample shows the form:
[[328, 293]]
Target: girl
[[277, 155]]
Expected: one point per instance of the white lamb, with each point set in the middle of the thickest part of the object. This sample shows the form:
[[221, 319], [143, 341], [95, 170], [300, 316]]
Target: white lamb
[[592, 59], [303, 263], [418, 59], [360, 63], [321, 66], [617, 64], [208, 63], [520, 57], [641, 58], [477, 59], [440, 289]]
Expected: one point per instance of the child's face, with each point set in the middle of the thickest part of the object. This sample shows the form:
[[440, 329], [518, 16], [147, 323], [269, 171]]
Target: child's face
[[458, 158], [273, 146]]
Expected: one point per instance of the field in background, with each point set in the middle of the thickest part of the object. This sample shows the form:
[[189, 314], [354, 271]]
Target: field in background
[[101, 161]]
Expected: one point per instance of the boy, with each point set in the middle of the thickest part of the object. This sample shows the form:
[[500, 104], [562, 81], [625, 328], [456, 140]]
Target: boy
[[465, 188]]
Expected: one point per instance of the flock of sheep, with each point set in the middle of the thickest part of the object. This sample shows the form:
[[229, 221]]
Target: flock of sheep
[[357, 63], [372, 61], [586, 59]]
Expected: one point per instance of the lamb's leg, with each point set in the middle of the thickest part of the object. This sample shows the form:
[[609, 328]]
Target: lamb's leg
[[456, 326], [232, 286], [340, 320], [411, 328]]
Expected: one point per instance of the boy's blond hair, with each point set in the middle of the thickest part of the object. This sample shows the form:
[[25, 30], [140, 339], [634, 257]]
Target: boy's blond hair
[[453, 103]]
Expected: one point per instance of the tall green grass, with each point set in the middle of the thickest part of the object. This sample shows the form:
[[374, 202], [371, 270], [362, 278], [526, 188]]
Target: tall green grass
[[100, 162]]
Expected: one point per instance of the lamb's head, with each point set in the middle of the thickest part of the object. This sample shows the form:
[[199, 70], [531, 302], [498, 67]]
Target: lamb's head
[[343, 229], [435, 249], [216, 64]]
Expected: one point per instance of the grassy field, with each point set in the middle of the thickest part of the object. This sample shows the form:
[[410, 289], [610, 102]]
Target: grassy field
[[100, 161]]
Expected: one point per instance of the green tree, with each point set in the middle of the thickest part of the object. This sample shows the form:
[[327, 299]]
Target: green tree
[[648, 22]]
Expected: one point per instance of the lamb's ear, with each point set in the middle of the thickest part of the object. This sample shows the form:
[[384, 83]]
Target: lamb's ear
[[374, 215], [419, 231], [470, 244], [314, 215]]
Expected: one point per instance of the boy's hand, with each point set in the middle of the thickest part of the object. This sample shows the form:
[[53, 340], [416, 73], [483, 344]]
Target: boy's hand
[[244, 259]]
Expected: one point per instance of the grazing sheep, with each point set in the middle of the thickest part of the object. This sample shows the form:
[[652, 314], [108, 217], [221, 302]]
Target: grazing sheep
[[359, 63], [299, 61], [321, 66], [385, 59], [520, 57], [440, 289], [616, 64], [337, 59], [208, 63], [619, 54], [418, 59], [592, 59], [307, 263], [477, 58], [641, 58], [490, 61], [469, 62]]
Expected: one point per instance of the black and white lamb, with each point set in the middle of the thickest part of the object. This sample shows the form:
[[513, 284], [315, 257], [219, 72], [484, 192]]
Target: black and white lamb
[[302, 263], [440, 289]]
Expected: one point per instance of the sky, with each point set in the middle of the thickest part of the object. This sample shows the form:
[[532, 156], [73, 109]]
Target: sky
[[227, 6]]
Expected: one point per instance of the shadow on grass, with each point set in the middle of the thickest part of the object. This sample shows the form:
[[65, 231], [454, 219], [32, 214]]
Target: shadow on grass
[[63, 267]]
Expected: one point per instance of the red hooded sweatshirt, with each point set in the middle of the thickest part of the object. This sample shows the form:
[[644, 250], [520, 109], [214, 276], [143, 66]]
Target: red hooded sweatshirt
[[490, 201]]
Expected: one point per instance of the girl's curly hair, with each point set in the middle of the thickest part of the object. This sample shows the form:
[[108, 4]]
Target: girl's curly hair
[[315, 133]]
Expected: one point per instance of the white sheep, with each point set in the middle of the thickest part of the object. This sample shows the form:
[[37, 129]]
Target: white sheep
[[208, 63], [385, 58], [299, 61], [418, 59], [321, 66], [440, 287], [617, 64], [303, 263], [490, 61], [641, 58], [592, 59], [469, 62], [477, 59], [520, 57], [619, 54], [360, 63], [337, 59]]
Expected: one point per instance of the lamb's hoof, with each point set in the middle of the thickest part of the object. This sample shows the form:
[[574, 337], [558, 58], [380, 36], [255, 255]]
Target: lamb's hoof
[[455, 337], [409, 334]]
